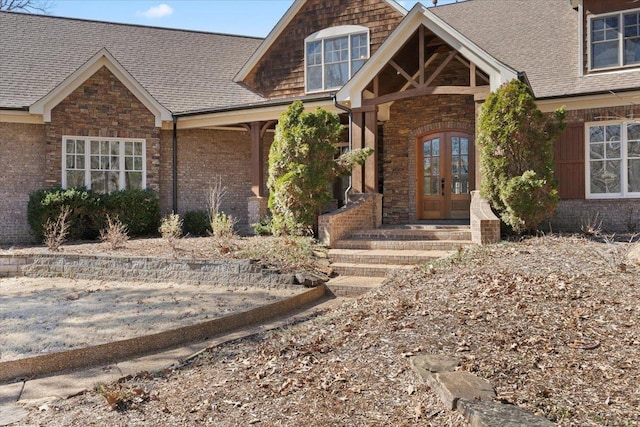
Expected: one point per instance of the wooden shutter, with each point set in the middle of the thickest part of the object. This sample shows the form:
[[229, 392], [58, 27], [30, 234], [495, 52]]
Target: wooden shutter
[[570, 163]]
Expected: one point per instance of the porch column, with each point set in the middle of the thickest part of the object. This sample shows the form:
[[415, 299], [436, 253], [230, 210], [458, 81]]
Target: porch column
[[371, 141], [257, 204], [357, 143]]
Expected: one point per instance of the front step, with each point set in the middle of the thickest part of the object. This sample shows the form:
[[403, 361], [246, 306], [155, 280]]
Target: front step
[[374, 253], [353, 286], [417, 233], [383, 256], [410, 245], [366, 270]]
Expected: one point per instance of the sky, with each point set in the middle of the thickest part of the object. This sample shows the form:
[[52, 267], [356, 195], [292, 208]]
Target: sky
[[245, 17]]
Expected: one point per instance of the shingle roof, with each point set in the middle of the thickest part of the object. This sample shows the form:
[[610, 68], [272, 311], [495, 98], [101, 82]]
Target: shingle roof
[[539, 37], [183, 70]]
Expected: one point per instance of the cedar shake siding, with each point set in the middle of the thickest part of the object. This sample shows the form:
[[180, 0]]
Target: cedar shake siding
[[22, 157], [101, 106], [280, 72]]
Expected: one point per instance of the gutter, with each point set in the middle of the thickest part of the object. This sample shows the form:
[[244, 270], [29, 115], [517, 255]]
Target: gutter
[[252, 106], [174, 189], [350, 112]]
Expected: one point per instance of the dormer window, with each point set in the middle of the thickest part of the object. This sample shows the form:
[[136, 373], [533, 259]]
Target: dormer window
[[333, 55], [615, 40]]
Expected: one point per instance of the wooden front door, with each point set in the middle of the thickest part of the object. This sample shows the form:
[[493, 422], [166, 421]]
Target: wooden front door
[[445, 175]]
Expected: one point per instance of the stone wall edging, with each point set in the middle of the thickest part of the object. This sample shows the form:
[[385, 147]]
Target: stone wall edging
[[196, 271]]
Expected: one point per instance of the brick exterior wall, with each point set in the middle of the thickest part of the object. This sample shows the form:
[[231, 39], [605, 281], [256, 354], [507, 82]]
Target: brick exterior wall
[[411, 118], [101, 106], [280, 73], [204, 155], [22, 161]]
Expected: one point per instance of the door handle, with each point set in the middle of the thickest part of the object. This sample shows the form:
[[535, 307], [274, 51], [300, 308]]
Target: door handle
[[442, 185]]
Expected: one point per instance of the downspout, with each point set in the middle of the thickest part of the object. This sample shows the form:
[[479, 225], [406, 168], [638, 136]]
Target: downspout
[[175, 165], [350, 112]]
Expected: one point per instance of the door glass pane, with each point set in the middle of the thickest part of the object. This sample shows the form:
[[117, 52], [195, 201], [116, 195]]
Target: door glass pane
[[431, 163], [459, 165]]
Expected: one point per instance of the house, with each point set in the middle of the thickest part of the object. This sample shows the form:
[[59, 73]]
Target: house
[[112, 106]]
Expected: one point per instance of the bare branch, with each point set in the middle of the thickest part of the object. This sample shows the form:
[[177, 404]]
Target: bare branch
[[30, 6]]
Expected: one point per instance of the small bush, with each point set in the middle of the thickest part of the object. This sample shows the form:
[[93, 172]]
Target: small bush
[[171, 229], [56, 231], [46, 205], [223, 225], [115, 233], [139, 210], [527, 200], [197, 223], [263, 228]]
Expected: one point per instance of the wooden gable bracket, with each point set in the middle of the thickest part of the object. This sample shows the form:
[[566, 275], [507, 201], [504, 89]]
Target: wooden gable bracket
[[417, 85]]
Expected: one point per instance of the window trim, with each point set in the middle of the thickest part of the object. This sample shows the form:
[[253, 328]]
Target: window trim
[[620, 15], [87, 159], [624, 159], [329, 34]]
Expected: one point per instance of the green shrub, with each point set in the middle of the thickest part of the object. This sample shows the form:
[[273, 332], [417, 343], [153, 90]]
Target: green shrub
[[516, 145], [46, 205], [302, 167], [263, 228], [138, 210], [196, 223]]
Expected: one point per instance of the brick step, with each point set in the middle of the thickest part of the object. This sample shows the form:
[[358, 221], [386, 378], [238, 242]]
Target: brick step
[[353, 286], [388, 233], [412, 245], [367, 270], [383, 256]]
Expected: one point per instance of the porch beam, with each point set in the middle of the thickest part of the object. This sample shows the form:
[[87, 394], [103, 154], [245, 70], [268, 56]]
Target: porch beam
[[403, 73], [477, 91], [257, 159], [441, 67]]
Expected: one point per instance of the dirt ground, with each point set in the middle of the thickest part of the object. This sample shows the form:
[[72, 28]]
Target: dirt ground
[[39, 316], [552, 322]]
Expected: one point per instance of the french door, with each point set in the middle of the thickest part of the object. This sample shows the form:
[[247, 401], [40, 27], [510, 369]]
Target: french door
[[445, 175]]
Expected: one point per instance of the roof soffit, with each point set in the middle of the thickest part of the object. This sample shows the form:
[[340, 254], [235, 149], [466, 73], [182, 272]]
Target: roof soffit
[[102, 58], [420, 15], [277, 31]]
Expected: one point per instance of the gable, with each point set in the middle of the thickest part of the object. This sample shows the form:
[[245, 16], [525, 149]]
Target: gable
[[277, 68], [101, 59]]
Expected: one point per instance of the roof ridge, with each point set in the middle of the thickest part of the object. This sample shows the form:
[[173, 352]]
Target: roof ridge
[[95, 21]]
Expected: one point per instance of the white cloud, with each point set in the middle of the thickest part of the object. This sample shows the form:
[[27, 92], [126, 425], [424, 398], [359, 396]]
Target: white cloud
[[157, 11]]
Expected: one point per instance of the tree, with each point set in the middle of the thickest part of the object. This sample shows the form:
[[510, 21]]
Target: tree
[[32, 6], [516, 143], [302, 166]]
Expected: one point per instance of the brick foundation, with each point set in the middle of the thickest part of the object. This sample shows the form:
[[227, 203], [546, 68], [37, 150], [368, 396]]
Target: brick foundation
[[611, 216]]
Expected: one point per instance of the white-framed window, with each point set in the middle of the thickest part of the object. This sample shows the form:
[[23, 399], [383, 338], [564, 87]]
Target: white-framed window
[[103, 164], [613, 159], [333, 55], [614, 40]]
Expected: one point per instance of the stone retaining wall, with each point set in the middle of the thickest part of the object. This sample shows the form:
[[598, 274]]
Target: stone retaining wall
[[222, 272]]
